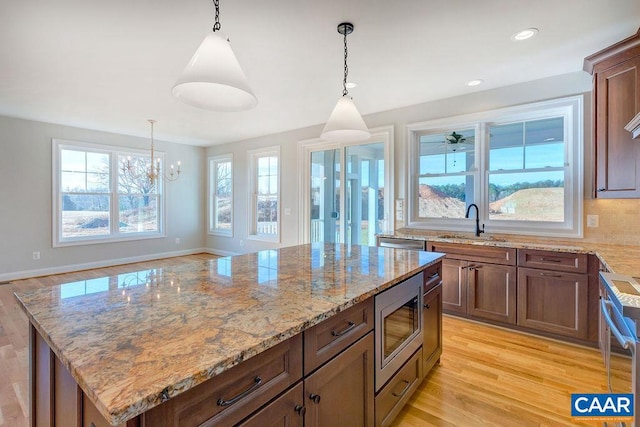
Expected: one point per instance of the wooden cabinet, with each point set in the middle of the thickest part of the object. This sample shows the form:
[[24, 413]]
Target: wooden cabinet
[[235, 393], [553, 301], [398, 390], [341, 393], [491, 292], [432, 327], [478, 281], [616, 100], [326, 339], [287, 410]]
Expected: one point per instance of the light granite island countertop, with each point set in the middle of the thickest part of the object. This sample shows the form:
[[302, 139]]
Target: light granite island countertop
[[133, 340]]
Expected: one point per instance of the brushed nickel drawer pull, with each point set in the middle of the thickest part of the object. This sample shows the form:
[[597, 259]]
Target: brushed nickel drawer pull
[[433, 275], [404, 390], [257, 382], [347, 329], [550, 259]]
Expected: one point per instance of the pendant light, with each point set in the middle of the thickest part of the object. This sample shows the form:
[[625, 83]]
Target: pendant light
[[213, 79], [345, 123]]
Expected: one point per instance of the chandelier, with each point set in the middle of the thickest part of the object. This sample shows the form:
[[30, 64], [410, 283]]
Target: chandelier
[[152, 172]]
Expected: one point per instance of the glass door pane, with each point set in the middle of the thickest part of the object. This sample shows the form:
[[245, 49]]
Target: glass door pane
[[364, 202], [325, 196]]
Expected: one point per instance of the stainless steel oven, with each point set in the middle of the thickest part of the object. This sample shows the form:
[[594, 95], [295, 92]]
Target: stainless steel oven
[[398, 326]]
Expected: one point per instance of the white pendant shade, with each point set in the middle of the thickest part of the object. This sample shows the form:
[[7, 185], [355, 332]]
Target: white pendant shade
[[345, 123], [213, 79]]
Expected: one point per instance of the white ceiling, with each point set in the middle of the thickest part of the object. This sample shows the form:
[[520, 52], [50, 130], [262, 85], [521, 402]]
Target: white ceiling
[[110, 65]]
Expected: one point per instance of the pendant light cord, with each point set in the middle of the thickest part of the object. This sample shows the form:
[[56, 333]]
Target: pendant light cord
[[345, 92], [216, 26]]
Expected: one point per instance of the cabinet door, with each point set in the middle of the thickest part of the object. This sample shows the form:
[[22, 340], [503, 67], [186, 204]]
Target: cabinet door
[[286, 411], [617, 98], [492, 292], [432, 328], [553, 301], [454, 286], [340, 393]]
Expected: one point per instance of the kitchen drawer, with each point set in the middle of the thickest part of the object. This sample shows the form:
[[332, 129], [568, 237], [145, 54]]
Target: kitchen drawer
[[398, 390], [477, 253], [432, 276], [276, 368], [549, 260], [328, 338]]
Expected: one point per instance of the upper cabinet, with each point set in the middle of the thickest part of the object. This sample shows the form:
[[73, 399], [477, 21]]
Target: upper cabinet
[[616, 101]]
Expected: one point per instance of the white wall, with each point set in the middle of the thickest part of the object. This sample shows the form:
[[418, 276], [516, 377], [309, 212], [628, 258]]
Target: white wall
[[549, 88], [25, 202]]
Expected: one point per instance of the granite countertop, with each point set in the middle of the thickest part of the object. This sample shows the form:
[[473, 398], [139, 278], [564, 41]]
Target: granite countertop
[[126, 339], [620, 259]]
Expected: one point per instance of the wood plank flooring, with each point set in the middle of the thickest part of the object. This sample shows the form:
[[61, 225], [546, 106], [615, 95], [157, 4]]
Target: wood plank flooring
[[487, 376]]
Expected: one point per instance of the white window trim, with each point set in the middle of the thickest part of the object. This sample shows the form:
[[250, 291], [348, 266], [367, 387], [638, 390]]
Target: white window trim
[[211, 186], [571, 108], [253, 185], [383, 134], [56, 217]]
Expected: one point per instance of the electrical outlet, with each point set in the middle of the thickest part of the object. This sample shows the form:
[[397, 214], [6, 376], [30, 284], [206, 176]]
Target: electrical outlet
[[593, 221], [177, 240], [36, 256]]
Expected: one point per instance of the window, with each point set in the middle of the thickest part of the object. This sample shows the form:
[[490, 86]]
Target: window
[[265, 194], [522, 166], [221, 195], [103, 193]]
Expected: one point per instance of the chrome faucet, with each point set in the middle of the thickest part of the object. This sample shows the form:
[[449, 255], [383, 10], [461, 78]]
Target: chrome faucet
[[478, 231]]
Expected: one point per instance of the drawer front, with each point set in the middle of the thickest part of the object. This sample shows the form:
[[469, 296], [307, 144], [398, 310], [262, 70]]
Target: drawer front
[[478, 253], [432, 276], [231, 396], [398, 390], [328, 338], [548, 260]]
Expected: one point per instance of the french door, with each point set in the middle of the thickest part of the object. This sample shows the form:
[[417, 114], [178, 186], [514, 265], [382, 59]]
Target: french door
[[346, 191]]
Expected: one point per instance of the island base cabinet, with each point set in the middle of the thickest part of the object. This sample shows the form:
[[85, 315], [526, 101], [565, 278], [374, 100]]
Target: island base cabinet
[[432, 328], [398, 390], [56, 398], [286, 411], [553, 301], [341, 393]]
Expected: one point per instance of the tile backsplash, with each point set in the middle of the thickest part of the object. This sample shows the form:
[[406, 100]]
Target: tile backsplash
[[619, 221]]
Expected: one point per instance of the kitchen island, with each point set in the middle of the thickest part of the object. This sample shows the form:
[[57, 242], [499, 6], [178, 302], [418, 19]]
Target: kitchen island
[[133, 342]]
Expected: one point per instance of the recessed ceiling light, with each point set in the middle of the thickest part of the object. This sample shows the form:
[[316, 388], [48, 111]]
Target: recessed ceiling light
[[475, 82], [524, 34], [351, 85]]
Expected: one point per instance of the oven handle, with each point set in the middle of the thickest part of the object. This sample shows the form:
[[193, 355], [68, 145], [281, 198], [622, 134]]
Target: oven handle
[[626, 341]]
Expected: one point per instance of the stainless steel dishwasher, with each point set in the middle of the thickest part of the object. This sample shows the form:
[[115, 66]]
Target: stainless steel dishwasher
[[400, 243]]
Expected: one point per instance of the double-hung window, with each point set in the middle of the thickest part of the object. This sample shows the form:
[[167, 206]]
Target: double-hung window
[[522, 166], [221, 195], [264, 166], [103, 193]]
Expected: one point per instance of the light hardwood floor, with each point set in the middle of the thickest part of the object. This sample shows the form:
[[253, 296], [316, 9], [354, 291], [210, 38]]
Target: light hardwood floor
[[488, 375]]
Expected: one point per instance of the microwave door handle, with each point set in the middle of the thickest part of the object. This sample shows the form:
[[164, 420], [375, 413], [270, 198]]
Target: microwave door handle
[[625, 341]]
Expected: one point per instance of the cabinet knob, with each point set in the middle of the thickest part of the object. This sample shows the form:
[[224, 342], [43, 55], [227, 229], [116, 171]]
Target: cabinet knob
[[315, 398], [301, 410], [601, 189], [426, 306]]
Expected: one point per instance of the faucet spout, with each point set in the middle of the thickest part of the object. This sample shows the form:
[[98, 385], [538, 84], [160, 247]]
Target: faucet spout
[[466, 215]]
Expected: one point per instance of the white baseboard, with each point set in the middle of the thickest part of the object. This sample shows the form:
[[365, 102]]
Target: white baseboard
[[18, 275], [220, 252]]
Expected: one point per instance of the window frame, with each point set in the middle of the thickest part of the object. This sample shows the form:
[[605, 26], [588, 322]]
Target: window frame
[[570, 108], [113, 192], [253, 156], [212, 192]]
